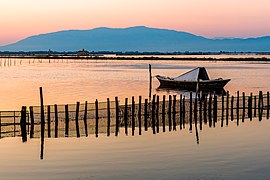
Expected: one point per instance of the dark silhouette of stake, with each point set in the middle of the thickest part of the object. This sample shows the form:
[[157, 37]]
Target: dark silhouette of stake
[[97, 117], [153, 114], [201, 116], [163, 112], [268, 105], [85, 119], [32, 129], [77, 119], [190, 111], [150, 82], [133, 116], [210, 110], [215, 109], [260, 105], [56, 121], [66, 120], [232, 102], [170, 113], [222, 109], [196, 110], [255, 106], [250, 107], [205, 111], [116, 116], [174, 112], [126, 116], [42, 123], [145, 115], [109, 117], [181, 111], [184, 111], [244, 107], [23, 124], [227, 108], [157, 114], [49, 120], [140, 115], [237, 107]]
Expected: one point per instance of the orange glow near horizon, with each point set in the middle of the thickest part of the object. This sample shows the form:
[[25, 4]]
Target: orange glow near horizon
[[224, 18]]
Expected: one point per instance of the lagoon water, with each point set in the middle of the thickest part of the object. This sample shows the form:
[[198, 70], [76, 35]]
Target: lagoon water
[[230, 152], [64, 82], [233, 152]]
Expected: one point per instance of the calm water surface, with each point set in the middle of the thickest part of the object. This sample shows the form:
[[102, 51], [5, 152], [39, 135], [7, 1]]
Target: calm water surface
[[71, 82], [233, 152]]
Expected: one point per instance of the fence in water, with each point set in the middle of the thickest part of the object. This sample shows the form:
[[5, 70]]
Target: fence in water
[[83, 119]]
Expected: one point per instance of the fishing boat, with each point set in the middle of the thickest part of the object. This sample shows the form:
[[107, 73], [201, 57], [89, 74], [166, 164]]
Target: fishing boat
[[194, 80]]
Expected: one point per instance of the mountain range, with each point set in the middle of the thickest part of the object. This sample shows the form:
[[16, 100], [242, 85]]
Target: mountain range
[[139, 38]]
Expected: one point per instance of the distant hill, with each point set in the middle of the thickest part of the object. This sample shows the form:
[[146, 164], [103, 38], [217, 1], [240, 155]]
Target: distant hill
[[140, 38]]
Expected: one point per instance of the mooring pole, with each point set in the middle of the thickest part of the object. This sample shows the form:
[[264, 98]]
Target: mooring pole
[[150, 82], [42, 122]]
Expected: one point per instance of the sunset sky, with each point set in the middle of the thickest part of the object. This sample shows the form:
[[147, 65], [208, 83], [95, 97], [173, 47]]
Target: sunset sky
[[209, 18]]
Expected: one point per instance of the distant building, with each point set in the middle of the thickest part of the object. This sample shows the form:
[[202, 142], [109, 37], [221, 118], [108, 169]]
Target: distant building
[[83, 52]]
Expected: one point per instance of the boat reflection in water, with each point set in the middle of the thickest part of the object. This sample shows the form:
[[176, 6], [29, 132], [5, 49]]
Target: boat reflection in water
[[194, 80]]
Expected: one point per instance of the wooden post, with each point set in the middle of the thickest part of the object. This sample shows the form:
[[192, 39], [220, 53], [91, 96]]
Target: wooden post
[[237, 107], [174, 112], [232, 102], [97, 117], [181, 111], [250, 107], [196, 110], [14, 125], [140, 115], [85, 119], [259, 102], [268, 105], [157, 114], [56, 121], [150, 81], [205, 111], [42, 123], [32, 130], [227, 108], [210, 110], [222, 109], [163, 112], [201, 101], [66, 120], [153, 114], [126, 116], [184, 112], [133, 116], [215, 108], [190, 111], [109, 117], [23, 124], [49, 120], [244, 107], [170, 113], [255, 106], [42, 111], [260, 105], [77, 119], [116, 116], [145, 115]]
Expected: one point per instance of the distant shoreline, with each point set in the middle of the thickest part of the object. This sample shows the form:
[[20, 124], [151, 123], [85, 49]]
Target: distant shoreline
[[132, 57]]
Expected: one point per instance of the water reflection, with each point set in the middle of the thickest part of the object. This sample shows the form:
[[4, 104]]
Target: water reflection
[[171, 113]]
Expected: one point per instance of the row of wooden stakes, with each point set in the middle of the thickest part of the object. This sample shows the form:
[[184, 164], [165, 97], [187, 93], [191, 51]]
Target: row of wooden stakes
[[190, 111]]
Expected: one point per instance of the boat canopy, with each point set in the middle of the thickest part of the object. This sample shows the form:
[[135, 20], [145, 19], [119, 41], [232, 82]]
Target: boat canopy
[[193, 75]]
